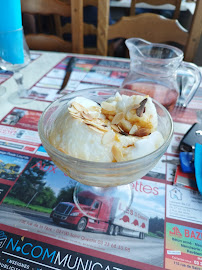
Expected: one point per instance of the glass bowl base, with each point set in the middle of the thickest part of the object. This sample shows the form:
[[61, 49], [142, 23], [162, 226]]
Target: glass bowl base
[[16, 99], [2, 90], [103, 204]]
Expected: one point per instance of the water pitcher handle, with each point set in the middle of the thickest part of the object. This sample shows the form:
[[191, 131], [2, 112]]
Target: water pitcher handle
[[191, 79]]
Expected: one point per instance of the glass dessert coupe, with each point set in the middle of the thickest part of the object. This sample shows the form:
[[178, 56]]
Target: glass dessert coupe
[[14, 56], [102, 178]]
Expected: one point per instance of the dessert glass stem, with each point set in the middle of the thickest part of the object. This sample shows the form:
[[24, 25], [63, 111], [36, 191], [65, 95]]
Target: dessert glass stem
[[2, 90], [19, 97], [19, 80], [90, 199]]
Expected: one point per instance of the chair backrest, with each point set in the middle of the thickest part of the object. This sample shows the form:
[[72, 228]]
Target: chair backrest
[[46, 42], [156, 28], [98, 29], [102, 23], [175, 3]]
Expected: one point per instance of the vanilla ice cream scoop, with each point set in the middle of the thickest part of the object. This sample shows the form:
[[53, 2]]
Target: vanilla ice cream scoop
[[121, 128]]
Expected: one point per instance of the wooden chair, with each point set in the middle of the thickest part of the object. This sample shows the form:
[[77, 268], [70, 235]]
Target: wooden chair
[[175, 3], [56, 7], [156, 28], [98, 31], [102, 23]]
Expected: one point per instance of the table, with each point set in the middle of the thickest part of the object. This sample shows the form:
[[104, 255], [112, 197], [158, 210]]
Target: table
[[28, 237]]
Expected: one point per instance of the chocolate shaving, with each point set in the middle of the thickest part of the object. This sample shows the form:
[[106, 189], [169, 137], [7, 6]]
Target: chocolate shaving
[[141, 109]]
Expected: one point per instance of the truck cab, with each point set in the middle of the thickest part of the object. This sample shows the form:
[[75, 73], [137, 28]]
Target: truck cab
[[102, 214], [9, 171], [92, 213]]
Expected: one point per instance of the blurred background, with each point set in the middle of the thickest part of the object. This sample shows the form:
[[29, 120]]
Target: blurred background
[[181, 10]]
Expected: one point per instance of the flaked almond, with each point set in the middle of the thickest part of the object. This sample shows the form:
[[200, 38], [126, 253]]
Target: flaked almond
[[110, 117], [117, 118], [116, 138], [142, 132], [122, 132], [117, 154], [87, 116], [95, 129], [106, 122], [118, 97], [102, 121], [72, 110], [76, 115], [78, 106], [108, 106], [133, 130], [120, 129], [131, 115], [105, 112], [115, 128], [125, 125], [108, 137], [95, 108], [94, 124]]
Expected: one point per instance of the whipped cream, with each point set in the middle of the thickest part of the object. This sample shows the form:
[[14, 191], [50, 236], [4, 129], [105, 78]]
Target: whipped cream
[[122, 128]]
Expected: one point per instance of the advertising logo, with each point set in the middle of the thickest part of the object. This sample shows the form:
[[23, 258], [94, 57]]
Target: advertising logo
[[176, 194], [3, 238], [175, 232]]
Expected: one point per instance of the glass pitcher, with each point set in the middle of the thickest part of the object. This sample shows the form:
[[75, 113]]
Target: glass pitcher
[[157, 70]]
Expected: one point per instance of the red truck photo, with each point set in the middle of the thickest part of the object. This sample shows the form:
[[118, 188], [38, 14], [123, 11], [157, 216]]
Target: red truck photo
[[108, 216]]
